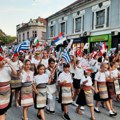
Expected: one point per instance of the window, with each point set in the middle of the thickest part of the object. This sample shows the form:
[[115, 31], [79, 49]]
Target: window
[[51, 31], [78, 24], [108, 11], [27, 35], [44, 36], [34, 34], [63, 27], [23, 36], [19, 38], [100, 18]]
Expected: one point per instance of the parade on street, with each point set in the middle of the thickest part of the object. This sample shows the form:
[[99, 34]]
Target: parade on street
[[63, 64]]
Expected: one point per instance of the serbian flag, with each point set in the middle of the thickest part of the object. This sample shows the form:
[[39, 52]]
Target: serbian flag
[[93, 54], [36, 42], [59, 39], [103, 48]]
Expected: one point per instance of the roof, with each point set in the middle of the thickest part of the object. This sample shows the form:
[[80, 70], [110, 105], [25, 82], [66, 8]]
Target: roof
[[43, 20], [70, 7], [39, 19]]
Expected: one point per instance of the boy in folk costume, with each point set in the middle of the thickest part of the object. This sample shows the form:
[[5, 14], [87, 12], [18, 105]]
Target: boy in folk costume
[[26, 93], [66, 83], [85, 96], [41, 80], [6, 70], [101, 88], [15, 80], [51, 88]]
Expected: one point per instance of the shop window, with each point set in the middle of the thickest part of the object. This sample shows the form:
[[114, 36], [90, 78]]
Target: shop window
[[51, 31], [100, 19]]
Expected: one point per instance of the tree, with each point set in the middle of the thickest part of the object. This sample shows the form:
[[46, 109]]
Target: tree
[[6, 39]]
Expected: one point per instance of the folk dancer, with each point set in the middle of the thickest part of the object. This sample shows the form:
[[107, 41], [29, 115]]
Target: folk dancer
[[51, 88], [66, 83], [6, 70], [41, 80], [85, 96], [101, 87], [26, 93]]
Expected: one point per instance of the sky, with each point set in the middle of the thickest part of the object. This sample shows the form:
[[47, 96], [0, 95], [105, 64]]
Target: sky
[[14, 12]]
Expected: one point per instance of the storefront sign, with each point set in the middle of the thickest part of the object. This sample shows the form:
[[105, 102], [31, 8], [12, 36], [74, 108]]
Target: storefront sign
[[98, 38]]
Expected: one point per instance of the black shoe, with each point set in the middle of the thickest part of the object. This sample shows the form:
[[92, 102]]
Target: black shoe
[[66, 117], [39, 116], [47, 111], [114, 114], [50, 112], [97, 111]]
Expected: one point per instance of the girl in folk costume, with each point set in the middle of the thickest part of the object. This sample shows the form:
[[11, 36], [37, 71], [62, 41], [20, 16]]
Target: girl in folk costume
[[41, 80], [66, 83], [101, 88], [26, 93], [15, 80], [86, 96], [115, 74], [76, 81], [5, 92], [111, 85]]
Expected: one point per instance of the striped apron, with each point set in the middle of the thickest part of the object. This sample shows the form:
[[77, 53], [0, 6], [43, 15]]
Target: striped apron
[[117, 87], [111, 89], [26, 94], [15, 82], [67, 94], [88, 96], [41, 97], [5, 94], [103, 93]]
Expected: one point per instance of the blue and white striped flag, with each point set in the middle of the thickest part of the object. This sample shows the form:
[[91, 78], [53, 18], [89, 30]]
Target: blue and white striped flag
[[66, 56], [23, 46]]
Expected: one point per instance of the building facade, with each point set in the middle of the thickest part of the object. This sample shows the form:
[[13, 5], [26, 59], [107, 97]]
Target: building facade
[[29, 31], [92, 21]]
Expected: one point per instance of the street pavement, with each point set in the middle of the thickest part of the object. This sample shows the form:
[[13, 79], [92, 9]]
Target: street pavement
[[16, 113]]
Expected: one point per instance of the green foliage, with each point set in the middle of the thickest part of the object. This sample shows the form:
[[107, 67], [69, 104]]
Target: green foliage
[[6, 39]]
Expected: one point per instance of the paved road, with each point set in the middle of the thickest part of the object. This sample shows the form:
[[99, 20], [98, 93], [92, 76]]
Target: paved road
[[16, 113]]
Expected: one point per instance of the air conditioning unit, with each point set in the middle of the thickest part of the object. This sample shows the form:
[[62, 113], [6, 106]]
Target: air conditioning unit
[[114, 33]]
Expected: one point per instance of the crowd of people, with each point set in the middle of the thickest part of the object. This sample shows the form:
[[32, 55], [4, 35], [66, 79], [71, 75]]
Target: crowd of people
[[39, 78]]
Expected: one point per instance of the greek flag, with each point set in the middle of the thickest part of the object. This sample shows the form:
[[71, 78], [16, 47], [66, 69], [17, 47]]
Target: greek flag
[[66, 56], [23, 46]]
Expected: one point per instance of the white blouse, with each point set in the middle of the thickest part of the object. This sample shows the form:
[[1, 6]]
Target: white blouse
[[17, 64], [39, 79], [65, 77], [5, 74], [27, 77], [89, 83], [100, 77], [78, 73]]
